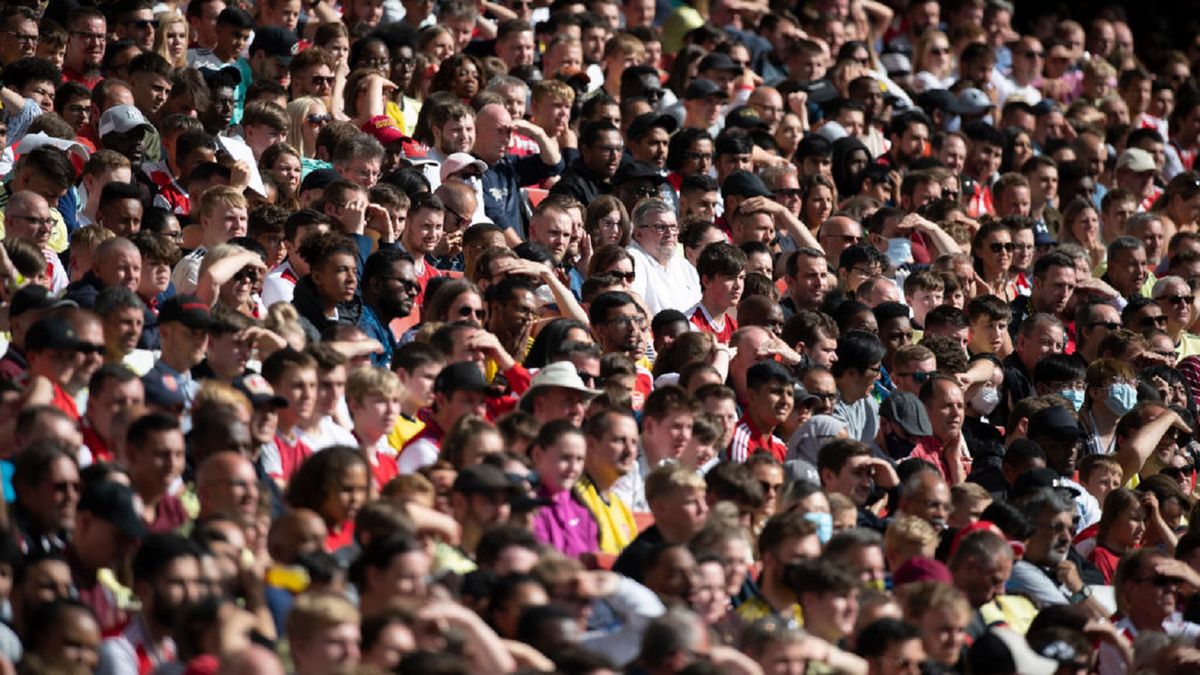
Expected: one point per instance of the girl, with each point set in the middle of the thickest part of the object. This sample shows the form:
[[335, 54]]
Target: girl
[[308, 115], [607, 223], [1081, 225], [566, 524], [171, 40], [334, 484], [282, 163], [819, 197], [1122, 527], [1102, 406], [470, 440]]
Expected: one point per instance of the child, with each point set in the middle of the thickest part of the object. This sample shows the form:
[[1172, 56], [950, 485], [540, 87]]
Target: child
[[566, 524], [1100, 475], [374, 397], [769, 398], [333, 483], [967, 500], [326, 427], [416, 364], [280, 284], [293, 375], [988, 317], [101, 168], [222, 216], [722, 271], [923, 291], [908, 537], [702, 450], [266, 226], [844, 512]]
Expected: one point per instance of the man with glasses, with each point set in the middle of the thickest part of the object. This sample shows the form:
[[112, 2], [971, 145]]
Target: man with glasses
[[1147, 588], [460, 201], [389, 291], [1174, 296], [134, 20], [87, 32], [664, 277], [18, 34], [1051, 572], [838, 233], [312, 74], [27, 216], [1093, 322], [513, 307], [1028, 57]]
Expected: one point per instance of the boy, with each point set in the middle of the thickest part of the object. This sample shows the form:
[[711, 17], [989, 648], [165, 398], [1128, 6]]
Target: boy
[[988, 317], [234, 26], [280, 284], [422, 234], [722, 271], [770, 395], [265, 225], [416, 364], [720, 401], [293, 375], [967, 501], [458, 390], [222, 216], [374, 396], [1100, 475], [328, 426], [923, 291], [1116, 208], [101, 168]]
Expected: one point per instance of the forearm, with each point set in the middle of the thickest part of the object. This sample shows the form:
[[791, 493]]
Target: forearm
[[1141, 445], [485, 649], [879, 14], [551, 155], [13, 102], [798, 230], [565, 299], [942, 242]]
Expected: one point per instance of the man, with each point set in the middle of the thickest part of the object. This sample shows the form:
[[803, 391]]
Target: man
[[859, 360], [389, 291], [312, 74], [945, 448], [1058, 433], [463, 207], [1127, 267], [107, 529], [612, 452], [46, 482], [166, 579], [28, 306], [909, 135], [184, 321], [557, 392], [54, 349], [227, 486], [19, 34], [265, 124], [925, 495], [87, 32], [1054, 281], [120, 209], [150, 80], [981, 566], [1147, 592], [702, 103], [770, 393], [458, 390], [1135, 172], [663, 276], [837, 234], [1038, 336], [507, 173], [649, 136], [49, 173], [786, 539], [480, 499], [890, 645], [675, 495], [806, 272], [117, 263], [847, 467], [514, 43], [122, 129], [512, 307], [1093, 322], [1051, 572], [666, 431], [112, 390], [751, 344], [272, 52], [600, 151], [28, 216], [618, 324]]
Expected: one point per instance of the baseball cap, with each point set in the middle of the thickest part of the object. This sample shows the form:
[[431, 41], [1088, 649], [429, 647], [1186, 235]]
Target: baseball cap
[[383, 129], [462, 376], [561, 374], [121, 119], [113, 502], [276, 41], [319, 179], [718, 61], [1136, 160], [259, 391], [1055, 422], [972, 101], [163, 390], [484, 478], [642, 124], [33, 298], [744, 117], [223, 76], [819, 91], [1001, 651], [1041, 234], [632, 170], [920, 568], [458, 161], [52, 332], [189, 310], [907, 411], [896, 63], [702, 88], [801, 394], [1036, 479], [744, 184], [938, 99]]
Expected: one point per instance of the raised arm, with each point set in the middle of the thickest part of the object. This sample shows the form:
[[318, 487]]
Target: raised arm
[[547, 146], [219, 273]]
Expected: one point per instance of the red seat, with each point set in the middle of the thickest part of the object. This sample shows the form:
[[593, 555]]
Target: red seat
[[644, 520], [536, 195]]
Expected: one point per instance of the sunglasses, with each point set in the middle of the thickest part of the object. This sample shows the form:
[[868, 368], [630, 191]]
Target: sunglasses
[[627, 277], [788, 194], [140, 23], [1177, 472], [1034, 55], [90, 349], [1110, 325], [1178, 299], [1159, 581], [246, 275], [468, 312], [998, 246], [324, 118], [939, 51], [917, 377], [1152, 321], [319, 80]]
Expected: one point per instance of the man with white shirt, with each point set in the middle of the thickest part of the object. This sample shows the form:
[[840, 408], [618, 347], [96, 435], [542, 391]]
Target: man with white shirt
[[663, 276]]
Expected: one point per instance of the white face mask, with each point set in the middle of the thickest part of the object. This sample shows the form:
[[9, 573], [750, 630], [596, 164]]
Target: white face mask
[[986, 399]]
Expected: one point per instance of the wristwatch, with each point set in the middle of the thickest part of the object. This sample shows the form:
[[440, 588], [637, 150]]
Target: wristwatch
[[1083, 594]]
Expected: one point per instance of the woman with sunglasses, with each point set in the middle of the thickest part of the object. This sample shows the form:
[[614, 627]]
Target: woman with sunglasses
[[1081, 225], [993, 251], [932, 62], [307, 116]]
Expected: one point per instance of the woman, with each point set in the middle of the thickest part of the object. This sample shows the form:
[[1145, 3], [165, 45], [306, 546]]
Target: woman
[[820, 196], [171, 38], [334, 37], [334, 484], [992, 249], [1179, 204], [228, 276], [1081, 225], [850, 157], [366, 96], [789, 133], [933, 62], [1106, 398], [607, 222], [1018, 147], [455, 300], [436, 41], [1122, 527], [469, 440], [282, 163], [689, 153], [555, 333], [371, 53], [404, 109], [461, 74], [308, 115], [613, 259], [683, 69]]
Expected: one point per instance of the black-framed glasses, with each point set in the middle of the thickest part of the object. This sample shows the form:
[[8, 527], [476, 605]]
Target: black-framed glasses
[[1153, 321], [140, 23], [1178, 472], [22, 37], [788, 193], [467, 312], [319, 80], [90, 348], [1110, 325], [698, 156], [999, 246]]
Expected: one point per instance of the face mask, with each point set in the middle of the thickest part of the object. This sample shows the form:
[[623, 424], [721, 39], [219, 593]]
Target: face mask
[[1121, 398], [986, 399], [824, 523], [898, 448], [899, 251], [1074, 396]]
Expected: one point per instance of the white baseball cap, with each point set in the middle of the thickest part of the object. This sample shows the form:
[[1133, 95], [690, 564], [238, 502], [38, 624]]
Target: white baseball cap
[[122, 118]]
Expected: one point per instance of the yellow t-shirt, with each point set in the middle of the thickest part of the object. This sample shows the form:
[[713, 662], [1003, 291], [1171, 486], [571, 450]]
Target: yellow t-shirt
[[406, 118], [404, 431], [617, 526], [58, 231]]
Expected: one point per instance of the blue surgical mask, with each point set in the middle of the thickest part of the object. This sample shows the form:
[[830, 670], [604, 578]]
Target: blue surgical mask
[[1121, 398], [824, 523], [899, 251], [1075, 396]]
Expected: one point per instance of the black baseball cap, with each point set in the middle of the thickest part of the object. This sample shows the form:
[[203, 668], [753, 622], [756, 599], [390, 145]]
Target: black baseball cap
[[908, 412], [744, 117], [642, 124], [189, 310], [319, 179], [718, 61], [259, 391], [462, 376], [275, 41], [1036, 479], [1056, 423], [113, 502], [484, 478], [744, 184], [702, 88], [632, 170], [33, 298], [52, 332]]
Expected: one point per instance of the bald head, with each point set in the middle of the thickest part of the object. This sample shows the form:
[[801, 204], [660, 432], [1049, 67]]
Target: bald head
[[227, 485], [460, 200], [493, 132], [295, 533], [118, 263], [27, 217]]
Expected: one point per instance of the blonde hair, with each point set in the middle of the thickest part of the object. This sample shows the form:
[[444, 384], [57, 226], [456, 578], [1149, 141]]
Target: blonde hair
[[923, 596], [90, 236], [555, 90], [219, 253], [966, 494], [297, 112], [314, 612], [671, 479], [220, 195], [911, 533], [921, 50], [840, 503], [369, 381], [409, 488], [284, 320], [165, 21], [214, 393]]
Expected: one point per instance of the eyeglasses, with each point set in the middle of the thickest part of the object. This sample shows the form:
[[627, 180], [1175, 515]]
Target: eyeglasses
[[627, 322], [644, 190], [140, 23], [998, 246], [917, 377], [848, 238], [468, 312], [90, 348], [1152, 321], [42, 222], [1034, 55], [662, 229], [698, 156], [90, 37], [627, 277], [246, 275], [320, 120], [788, 194], [19, 37], [319, 80], [407, 284], [1110, 325], [939, 51], [1178, 299]]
